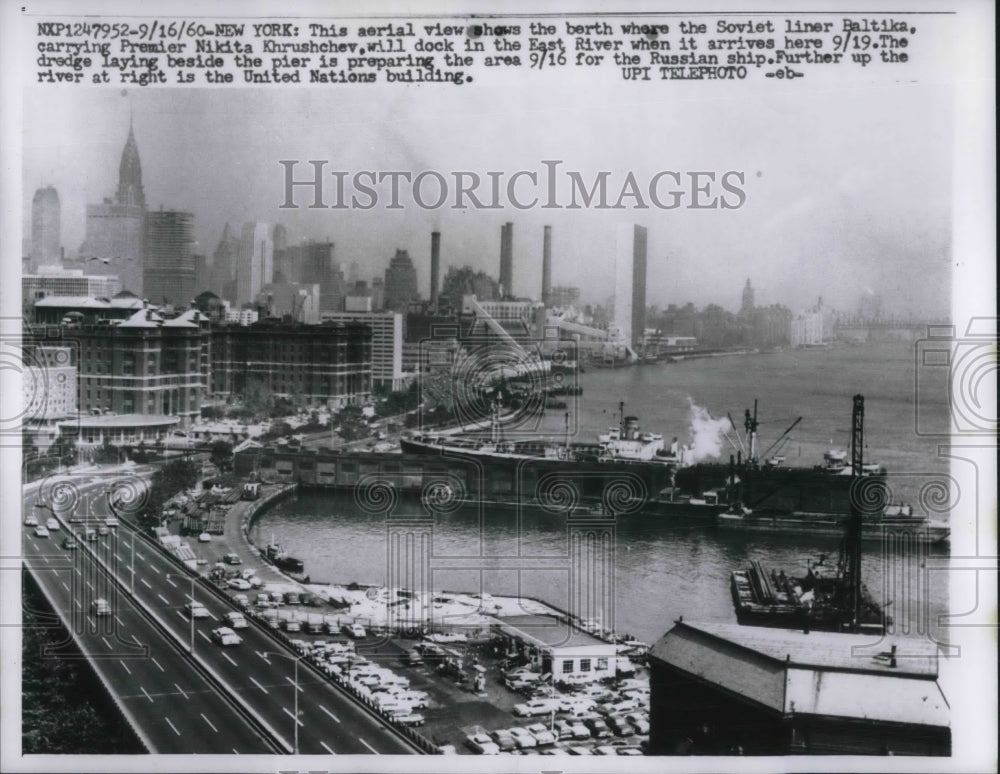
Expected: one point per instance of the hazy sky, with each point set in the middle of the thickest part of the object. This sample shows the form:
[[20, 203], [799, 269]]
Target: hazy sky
[[848, 188]]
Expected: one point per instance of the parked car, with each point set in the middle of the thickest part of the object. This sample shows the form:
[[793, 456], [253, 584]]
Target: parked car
[[242, 600], [232, 559], [226, 637], [619, 726], [293, 625], [536, 707], [639, 721], [523, 738], [618, 707], [41, 532], [504, 740], [408, 718], [101, 607], [598, 728], [580, 731], [605, 749], [563, 729], [629, 751], [578, 706], [204, 537], [239, 583], [111, 521], [481, 744], [102, 530], [292, 598], [196, 610], [354, 630], [578, 751], [52, 524], [236, 620], [90, 535], [413, 657], [542, 734]]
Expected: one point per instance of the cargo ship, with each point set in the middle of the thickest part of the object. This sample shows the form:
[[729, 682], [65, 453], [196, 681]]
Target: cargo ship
[[824, 599], [280, 558]]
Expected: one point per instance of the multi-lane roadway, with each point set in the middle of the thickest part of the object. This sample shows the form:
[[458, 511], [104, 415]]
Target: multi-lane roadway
[[205, 699]]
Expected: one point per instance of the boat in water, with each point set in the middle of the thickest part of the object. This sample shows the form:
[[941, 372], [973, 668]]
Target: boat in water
[[825, 598], [280, 558]]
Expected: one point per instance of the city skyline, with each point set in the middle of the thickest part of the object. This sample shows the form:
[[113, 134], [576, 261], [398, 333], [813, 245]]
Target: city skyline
[[848, 251]]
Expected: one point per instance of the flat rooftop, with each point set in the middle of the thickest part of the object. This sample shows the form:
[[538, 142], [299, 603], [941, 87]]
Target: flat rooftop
[[550, 630], [121, 420]]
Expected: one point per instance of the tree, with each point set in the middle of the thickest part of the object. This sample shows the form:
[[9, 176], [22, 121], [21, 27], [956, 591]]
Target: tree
[[171, 478], [221, 455]]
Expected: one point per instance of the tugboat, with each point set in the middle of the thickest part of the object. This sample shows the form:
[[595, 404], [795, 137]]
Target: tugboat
[[822, 600], [280, 558]]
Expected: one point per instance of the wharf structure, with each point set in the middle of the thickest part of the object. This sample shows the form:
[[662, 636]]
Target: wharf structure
[[719, 688]]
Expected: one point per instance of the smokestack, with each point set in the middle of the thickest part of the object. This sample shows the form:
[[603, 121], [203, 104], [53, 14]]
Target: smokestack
[[435, 266], [546, 265], [506, 259]]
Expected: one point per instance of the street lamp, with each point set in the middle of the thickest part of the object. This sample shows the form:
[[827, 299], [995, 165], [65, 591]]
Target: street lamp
[[296, 659]]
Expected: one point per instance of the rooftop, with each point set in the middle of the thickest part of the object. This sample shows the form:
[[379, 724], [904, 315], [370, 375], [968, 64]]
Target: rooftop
[[121, 420], [551, 631]]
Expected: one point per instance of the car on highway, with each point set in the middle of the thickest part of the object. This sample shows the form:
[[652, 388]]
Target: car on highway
[[30, 520], [236, 620], [481, 744], [523, 738], [239, 584], [355, 631], [226, 637], [100, 607], [70, 543], [196, 610], [52, 524], [204, 537], [103, 531], [536, 707], [41, 531], [90, 535], [504, 740], [543, 736], [111, 521]]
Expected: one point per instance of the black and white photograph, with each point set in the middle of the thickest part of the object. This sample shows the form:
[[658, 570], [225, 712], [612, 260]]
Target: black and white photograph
[[495, 380]]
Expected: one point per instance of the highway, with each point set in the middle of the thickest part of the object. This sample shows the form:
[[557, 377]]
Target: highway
[[172, 708], [259, 673]]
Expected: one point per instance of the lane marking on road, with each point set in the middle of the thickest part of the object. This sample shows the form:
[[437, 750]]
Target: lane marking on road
[[171, 583], [326, 747], [119, 558], [258, 685], [328, 712], [289, 713], [180, 615], [143, 582], [205, 636], [369, 746], [146, 694], [209, 723], [89, 585], [78, 603], [171, 725], [124, 666], [227, 658], [139, 555], [45, 558], [262, 656], [163, 599], [106, 643], [182, 691], [119, 620], [155, 662], [299, 688], [64, 585]]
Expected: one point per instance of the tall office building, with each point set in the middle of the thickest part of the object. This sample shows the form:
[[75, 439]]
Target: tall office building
[[168, 274], [630, 282], [317, 267], [746, 309], [255, 264], [435, 266], [400, 283], [114, 239], [223, 264], [45, 218], [547, 265], [506, 260]]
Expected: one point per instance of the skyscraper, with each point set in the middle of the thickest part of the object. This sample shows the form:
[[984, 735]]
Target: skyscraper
[[45, 217], [114, 240], [506, 260], [223, 261], [746, 310], [630, 282], [168, 273], [546, 265], [435, 266], [255, 265], [318, 267], [400, 282]]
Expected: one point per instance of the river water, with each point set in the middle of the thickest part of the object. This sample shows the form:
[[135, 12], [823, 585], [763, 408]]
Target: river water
[[661, 572]]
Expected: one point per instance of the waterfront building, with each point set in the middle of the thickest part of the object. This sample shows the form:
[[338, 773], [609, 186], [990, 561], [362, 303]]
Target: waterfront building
[[387, 343], [806, 329], [323, 365], [168, 271], [57, 281], [114, 238], [400, 283], [719, 688], [46, 247]]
